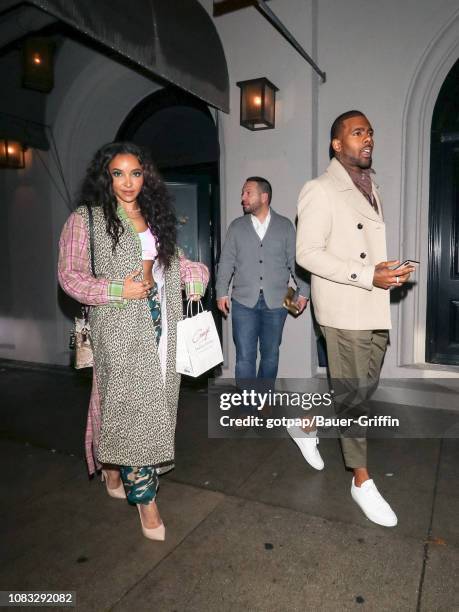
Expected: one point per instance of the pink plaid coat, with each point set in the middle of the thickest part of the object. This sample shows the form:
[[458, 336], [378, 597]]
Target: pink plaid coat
[[76, 279]]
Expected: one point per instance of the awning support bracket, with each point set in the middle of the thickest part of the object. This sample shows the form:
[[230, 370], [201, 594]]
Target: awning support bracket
[[264, 9]]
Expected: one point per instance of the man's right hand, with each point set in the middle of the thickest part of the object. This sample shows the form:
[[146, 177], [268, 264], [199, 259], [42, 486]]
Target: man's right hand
[[135, 290], [223, 305], [385, 278]]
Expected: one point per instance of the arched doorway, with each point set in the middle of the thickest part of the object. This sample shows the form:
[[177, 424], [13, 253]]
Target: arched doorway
[[442, 338], [180, 132]]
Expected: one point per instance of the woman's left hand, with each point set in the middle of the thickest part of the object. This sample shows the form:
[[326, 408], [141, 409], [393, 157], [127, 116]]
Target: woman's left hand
[[195, 297]]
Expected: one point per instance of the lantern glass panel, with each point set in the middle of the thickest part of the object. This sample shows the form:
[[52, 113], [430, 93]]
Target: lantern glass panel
[[257, 104], [3, 156], [269, 98], [11, 154], [252, 103]]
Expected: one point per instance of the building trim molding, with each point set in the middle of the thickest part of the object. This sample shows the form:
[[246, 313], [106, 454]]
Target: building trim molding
[[433, 67]]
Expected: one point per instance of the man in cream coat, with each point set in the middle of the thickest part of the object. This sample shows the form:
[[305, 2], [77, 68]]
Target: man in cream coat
[[341, 240]]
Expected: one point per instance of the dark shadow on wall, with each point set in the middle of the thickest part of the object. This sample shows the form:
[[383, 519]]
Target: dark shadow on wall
[[27, 271]]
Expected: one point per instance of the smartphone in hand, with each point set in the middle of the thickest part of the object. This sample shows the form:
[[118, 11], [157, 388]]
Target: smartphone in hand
[[407, 262]]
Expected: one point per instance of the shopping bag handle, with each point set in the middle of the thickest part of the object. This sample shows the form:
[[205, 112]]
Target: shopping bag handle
[[189, 308]]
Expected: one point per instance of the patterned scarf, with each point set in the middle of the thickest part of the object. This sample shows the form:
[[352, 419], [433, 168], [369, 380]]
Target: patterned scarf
[[361, 177]]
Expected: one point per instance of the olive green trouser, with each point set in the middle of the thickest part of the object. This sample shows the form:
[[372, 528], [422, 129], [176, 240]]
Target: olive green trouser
[[355, 358]]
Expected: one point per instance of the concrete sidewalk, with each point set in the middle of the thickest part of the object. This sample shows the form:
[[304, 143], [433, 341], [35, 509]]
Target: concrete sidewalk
[[249, 525]]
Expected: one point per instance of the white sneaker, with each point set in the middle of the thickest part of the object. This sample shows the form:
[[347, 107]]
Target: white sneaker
[[373, 504], [308, 447]]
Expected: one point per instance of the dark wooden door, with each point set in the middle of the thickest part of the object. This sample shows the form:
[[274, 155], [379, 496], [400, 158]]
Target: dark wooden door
[[443, 286], [195, 196], [195, 193]]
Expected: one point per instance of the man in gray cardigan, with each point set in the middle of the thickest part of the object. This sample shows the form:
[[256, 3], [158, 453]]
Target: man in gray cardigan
[[259, 254]]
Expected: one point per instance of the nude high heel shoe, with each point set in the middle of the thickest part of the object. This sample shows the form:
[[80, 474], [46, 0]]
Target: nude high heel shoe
[[118, 493], [157, 533]]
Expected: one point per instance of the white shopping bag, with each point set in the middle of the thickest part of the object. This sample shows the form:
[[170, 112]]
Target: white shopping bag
[[198, 344]]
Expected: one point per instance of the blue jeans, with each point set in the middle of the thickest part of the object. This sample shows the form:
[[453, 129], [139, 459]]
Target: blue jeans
[[253, 325]]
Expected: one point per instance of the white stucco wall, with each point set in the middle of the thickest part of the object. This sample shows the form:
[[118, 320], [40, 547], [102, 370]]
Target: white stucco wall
[[373, 52], [91, 98], [26, 261], [86, 114], [387, 59], [283, 155]]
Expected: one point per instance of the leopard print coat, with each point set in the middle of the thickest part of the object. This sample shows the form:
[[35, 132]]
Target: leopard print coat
[[138, 408]]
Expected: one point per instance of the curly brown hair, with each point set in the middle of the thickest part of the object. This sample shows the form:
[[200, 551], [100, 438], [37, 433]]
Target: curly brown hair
[[154, 200]]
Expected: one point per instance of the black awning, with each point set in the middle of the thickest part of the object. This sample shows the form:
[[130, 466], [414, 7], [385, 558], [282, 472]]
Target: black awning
[[172, 39]]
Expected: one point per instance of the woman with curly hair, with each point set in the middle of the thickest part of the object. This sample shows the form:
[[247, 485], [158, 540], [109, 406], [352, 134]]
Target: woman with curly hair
[[134, 290]]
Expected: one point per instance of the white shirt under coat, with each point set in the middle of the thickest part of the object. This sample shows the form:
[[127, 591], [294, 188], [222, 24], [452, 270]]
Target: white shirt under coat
[[261, 227]]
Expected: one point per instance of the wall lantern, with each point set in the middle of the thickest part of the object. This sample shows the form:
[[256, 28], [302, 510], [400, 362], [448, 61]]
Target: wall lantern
[[258, 104], [11, 154], [37, 64]]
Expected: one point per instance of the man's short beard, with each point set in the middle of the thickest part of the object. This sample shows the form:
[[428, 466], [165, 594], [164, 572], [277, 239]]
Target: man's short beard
[[365, 163], [357, 162]]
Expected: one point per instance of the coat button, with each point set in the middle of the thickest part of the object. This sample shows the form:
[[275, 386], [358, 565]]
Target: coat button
[[359, 226], [261, 278], [363, 255], [353, 276], [261, 261]]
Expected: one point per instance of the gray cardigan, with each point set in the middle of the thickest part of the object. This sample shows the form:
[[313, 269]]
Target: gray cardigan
[[257, 264]]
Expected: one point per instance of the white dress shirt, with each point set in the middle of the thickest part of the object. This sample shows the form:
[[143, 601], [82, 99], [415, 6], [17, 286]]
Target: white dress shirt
[[259, 227]]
